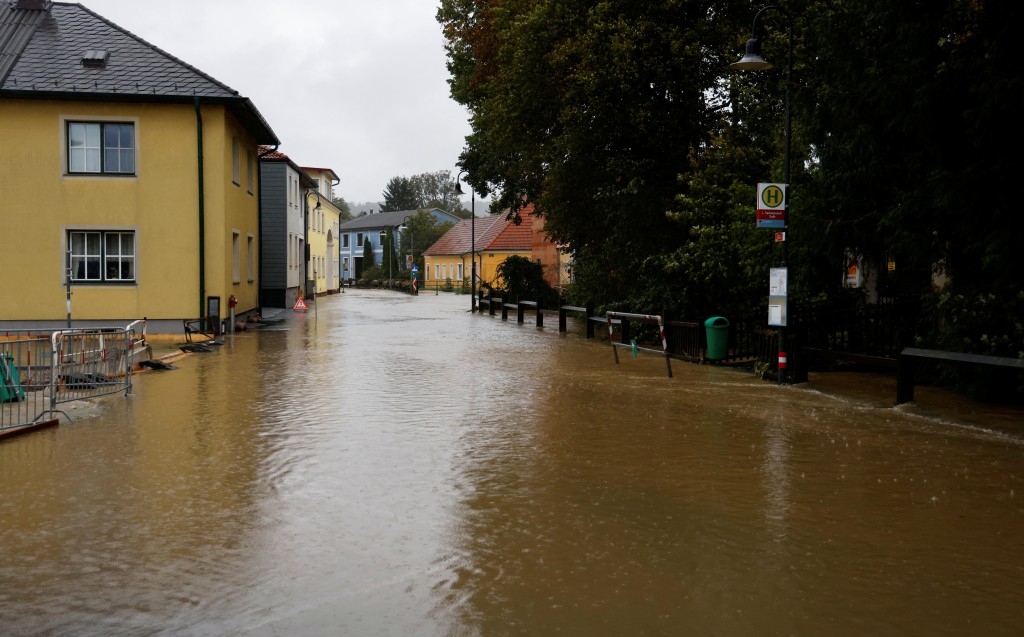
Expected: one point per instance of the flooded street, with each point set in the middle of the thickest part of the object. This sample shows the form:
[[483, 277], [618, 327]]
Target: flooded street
[[393, 465]]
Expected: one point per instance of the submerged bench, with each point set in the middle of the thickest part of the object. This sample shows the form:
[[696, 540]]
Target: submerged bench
[[911, 355]]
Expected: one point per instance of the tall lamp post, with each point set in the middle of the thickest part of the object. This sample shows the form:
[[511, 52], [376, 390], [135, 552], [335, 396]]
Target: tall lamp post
[[412, 249], [472, 239], [752, 61], [383, 236]]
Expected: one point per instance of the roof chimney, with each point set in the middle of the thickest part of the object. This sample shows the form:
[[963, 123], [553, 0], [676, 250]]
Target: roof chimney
[[33, 5]]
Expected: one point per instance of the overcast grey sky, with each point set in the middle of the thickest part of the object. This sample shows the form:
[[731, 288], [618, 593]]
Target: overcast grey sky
[[359, 87]]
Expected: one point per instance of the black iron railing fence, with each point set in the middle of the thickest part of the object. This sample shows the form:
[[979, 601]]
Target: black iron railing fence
[[865, 332]]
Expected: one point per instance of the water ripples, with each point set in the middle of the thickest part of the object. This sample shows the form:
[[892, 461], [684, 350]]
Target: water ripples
[[395, 465]]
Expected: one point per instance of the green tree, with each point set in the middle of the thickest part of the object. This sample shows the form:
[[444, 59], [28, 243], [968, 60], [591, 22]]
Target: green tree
[[344, 208], [621, 122], [523, 280], [367, 253], [903, 119], [400, 194], [422, 231], [437, 190], [389, 260], [423, 191], [590, 111], [905, 111]]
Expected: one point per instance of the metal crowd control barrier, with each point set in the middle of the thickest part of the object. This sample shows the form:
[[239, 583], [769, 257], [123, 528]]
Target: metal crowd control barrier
[[26, 360], [90, 363], [640, 318], [40, 371]]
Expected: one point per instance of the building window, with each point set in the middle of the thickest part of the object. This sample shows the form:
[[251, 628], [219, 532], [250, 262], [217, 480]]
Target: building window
[[250, 176], [236, 257], [359, 238], [344, 240], [251, 259], [437, 271], [101, 148], [100, 257], [236, 160]]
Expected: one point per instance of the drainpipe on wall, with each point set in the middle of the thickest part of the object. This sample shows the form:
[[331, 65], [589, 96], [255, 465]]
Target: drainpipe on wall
[[202, 211]]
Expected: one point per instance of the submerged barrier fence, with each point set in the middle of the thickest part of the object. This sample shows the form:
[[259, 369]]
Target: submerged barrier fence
[[41, 371]]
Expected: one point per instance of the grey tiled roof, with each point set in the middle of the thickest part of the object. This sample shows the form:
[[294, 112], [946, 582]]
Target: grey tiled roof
[[378, 220], [41, 56]]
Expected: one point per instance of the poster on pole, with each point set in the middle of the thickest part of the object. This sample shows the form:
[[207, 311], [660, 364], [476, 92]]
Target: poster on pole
[[778, 282], [771, 205], [778, 293], [777, 311]]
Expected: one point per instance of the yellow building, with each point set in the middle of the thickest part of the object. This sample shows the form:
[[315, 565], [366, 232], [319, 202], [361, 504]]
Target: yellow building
[[126, 171], [448, 261], [323, 221]]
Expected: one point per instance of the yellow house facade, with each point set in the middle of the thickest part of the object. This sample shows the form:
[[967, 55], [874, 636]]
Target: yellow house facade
[[133, 176], [496, 238], [323, 221]]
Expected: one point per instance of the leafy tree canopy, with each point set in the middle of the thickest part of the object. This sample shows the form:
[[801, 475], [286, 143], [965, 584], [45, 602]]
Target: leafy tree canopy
[[343, 207], [400, 194], [622, 123], [423, 191], [523, 279]]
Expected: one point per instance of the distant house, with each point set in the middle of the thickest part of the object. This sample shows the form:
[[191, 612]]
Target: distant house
[[127, 171], [375, 227], [497, 238], [322, 228], [283, 185]]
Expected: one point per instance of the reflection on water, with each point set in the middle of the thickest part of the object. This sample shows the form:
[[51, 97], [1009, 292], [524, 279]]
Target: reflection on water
[[392, 465]]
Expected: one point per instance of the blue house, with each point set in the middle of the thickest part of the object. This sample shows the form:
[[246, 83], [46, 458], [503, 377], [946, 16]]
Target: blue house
[[375, 228]]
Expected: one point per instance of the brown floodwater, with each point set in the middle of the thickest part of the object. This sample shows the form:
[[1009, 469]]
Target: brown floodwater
[[393, 465]]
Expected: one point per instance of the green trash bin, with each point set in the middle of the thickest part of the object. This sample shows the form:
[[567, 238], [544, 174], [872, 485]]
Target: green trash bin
[[10, 384], [717, 328]]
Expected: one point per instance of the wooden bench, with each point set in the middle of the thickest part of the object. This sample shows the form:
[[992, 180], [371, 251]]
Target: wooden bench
[[911, 355]]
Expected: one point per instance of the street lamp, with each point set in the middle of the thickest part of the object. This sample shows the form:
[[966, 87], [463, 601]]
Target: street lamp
[[472, 240], [384, 234], [752, 61], [412, 249]]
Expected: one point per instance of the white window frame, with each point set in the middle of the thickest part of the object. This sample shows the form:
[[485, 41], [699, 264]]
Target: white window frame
[[102, 254]]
